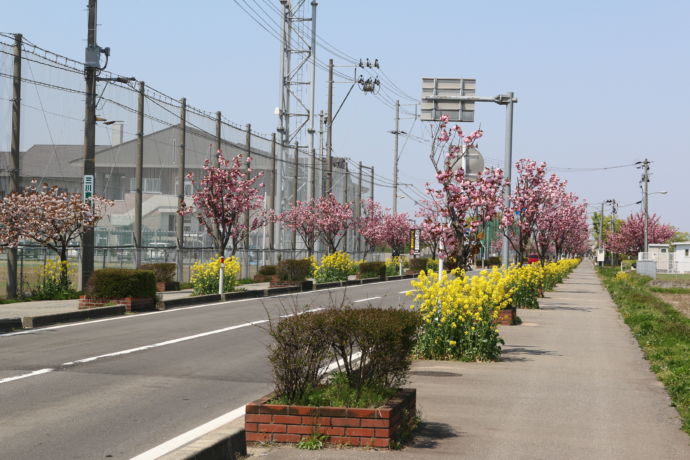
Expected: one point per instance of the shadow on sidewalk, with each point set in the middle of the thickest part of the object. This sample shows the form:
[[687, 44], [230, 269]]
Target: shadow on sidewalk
[[520, 353], [568, 308], [428, 434]]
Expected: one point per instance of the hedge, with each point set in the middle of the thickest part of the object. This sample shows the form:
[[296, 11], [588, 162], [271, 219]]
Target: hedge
[[118, 283]]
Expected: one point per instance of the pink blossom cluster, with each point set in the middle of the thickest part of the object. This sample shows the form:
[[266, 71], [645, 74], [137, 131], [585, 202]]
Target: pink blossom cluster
[[630, 237]]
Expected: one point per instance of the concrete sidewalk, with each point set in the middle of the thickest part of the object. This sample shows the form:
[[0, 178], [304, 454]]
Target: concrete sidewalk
[[573, 384], [52, 307]]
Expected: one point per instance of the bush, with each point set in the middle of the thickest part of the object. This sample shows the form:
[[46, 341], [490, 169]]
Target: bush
[[304, 345], [418, 264], [432, 264], [118, 283], [267, 270], [372, 269], [293, 269], [334, 267], [494, 260], [164, 273], [393, 265], [205, 277]]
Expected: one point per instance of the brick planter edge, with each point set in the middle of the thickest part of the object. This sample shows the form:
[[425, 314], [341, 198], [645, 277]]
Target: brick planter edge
[[354, 427]]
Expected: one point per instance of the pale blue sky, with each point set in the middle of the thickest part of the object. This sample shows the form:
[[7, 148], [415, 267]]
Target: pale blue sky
[[599, 83]]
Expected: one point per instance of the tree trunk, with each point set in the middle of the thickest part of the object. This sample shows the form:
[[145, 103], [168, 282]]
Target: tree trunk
[[64, 279]]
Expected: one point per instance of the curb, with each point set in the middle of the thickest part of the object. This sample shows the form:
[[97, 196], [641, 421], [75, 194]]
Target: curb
[[225, 443], [29, 322], [10, 324]]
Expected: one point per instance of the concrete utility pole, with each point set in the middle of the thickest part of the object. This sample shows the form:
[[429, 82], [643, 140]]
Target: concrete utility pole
[[181, 153], [219, 136], [345, 190], [245, 265], [508, 162], [645, 202], [329, 132], [312, 160], [395, 157], [601, 226], [138, 178], [359, 205], [272, 195], [371, 193], [295, 189], [15, 175], [90, 68]]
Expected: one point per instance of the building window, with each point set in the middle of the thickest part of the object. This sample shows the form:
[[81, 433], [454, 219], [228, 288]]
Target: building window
[[663, 250], [148, 185], [687, 252]]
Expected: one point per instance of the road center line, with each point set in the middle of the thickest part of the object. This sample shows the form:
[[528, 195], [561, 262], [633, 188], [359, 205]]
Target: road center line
[[138, 349], [364, 300], [24, 376]]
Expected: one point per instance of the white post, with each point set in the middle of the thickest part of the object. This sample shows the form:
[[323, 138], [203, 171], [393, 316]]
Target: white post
[[400, 264], [221, 276]]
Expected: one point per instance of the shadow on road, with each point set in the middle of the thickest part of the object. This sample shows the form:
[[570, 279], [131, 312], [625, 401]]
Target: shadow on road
[[428, 434], [520, 353]]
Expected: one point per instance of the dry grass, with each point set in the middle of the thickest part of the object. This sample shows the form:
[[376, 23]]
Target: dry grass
[[680, 302]]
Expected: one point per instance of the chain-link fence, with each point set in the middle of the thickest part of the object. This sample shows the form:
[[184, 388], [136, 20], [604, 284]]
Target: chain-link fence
[[51, 150]]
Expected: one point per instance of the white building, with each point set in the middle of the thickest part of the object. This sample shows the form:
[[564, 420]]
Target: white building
[[681, 257], [659, 253]]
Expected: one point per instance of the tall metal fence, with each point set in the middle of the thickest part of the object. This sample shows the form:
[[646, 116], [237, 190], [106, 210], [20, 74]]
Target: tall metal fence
[[51, 151]]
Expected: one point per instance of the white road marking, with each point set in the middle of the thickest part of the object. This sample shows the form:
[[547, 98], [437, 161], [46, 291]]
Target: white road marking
[[139, 315], [405, 292], [201, 430], [142, 348], [24, 376], [364, 300]]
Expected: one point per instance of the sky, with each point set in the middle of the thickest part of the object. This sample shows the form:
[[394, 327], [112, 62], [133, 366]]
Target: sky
[[599, 83]]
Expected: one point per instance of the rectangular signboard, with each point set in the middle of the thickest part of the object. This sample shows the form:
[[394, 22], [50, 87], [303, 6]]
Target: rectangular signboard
[[441, 96], [88, 187]]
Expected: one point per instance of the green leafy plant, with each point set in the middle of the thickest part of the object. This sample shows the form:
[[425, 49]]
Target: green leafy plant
[[334, 267], [418, 264], [53, 284], [315, 441], [267, 270], [206, 276], [372, 269], [117, 283]]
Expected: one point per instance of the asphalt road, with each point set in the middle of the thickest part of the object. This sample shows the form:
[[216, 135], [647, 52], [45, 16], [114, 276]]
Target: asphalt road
[[115, 388]]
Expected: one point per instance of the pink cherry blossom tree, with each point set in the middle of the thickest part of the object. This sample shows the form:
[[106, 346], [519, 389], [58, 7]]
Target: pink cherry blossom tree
[[463, 204], [630, 237], [396, 231], [371, 225], [303, 218], [51, 218], [334, 220], [225, 193]]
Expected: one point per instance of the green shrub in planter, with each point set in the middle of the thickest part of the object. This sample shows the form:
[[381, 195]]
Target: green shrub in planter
[[304, 345], [267, 270], [493, 260], [118, 283], [418, 264], [293, 269], [372, 269], [164, 273]]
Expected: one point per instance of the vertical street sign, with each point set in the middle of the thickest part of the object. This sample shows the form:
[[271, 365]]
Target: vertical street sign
[[412, 241], [88, 188], [417, 234]]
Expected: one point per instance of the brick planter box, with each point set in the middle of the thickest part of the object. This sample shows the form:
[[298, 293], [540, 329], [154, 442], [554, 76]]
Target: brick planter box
[[131, 304], [354, 427], [279, 283], [162, 286], [507, 316]]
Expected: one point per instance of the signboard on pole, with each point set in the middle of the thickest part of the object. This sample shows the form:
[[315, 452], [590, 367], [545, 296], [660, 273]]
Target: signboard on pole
[[87, 195], [417, 234], [601, 255], [442, 96], [412, 241]]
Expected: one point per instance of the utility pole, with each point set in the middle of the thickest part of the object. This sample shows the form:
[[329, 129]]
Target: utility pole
[[347, 182], [219, 136], [90, 67], [329, 132], [15, 175], [645, 203], [371, 193], [181, 152], [601, 226], [295, 189], [272, 195], [508, 161], [245, 265], [359, 206], [395, 157], [138, 178], [311, 190]]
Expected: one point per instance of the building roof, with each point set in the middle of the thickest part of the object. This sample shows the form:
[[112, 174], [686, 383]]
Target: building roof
[[44, 161]]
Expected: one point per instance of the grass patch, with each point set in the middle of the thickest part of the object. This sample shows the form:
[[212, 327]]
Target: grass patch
[[338, 393], [673, 277], [662, 332], [673, 290]]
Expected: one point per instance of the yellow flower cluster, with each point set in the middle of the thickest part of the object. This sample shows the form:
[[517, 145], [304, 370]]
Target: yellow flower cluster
[[527, 283], [334, 267], [459, 313], [555, 272], [54, 269], [393, 265], [205, 276], [622, 276]]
